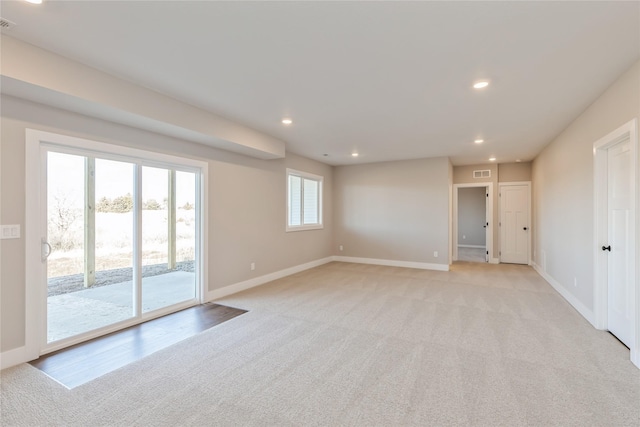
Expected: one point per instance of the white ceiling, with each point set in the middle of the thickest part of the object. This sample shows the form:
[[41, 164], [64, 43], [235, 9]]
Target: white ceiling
[[391, 80]]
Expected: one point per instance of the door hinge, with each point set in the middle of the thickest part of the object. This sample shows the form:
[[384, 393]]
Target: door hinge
[[499, 224], [500, 253]]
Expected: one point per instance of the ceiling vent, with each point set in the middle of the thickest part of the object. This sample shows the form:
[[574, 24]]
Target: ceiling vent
[[5, 24], [482, 174]]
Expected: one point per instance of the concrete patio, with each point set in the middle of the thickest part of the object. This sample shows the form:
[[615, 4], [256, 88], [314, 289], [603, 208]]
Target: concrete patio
[[78, 312]]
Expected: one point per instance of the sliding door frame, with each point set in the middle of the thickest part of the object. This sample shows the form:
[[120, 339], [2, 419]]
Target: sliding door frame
[[38, 144]]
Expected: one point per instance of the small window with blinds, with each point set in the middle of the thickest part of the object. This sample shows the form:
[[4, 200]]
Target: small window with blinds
[[304, 201]]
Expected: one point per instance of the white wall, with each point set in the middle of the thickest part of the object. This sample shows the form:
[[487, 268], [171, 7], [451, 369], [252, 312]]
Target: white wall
[[36, 74], [563, 190], [393, 210], [514, 172], [472, 205], [247, 197]]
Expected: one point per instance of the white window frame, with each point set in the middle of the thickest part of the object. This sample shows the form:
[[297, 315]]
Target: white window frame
[[304, 175]]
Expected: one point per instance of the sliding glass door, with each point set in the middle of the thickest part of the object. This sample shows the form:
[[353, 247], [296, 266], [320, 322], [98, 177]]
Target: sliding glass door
[[121, 241], [168, 237], [90, 267]]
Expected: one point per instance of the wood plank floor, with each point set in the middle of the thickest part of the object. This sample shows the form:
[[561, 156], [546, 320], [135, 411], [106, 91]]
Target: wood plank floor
[[81, 363]]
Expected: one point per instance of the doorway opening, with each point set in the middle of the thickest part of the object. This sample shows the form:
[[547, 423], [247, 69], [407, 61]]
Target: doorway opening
[[472, 222]]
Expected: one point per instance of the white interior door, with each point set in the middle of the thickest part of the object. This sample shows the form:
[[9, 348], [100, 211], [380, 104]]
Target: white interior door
[[619, 274], [514, 223]]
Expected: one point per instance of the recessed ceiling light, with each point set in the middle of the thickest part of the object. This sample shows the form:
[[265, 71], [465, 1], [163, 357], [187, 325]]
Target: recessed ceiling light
[[481, 84], [34, 1], [354, 154], [287, 121], [492, 159], [479, 141]]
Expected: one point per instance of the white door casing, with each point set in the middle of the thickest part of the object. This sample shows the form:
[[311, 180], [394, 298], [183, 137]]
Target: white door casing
[[515, 202], [619, 274], [488, 232], [488, 213], [616, 293]]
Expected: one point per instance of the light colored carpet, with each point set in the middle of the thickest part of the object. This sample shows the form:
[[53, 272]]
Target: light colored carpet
[[350, 344]]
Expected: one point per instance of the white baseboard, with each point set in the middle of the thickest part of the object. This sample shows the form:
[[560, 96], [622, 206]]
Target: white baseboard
[[635, 357], [393, 263], [13, 357], [257, 281], [494, 260], [571, 299], [472, 246]]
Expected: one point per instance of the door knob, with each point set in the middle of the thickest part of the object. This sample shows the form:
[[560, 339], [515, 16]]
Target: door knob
[[525, 228], [606, 248]]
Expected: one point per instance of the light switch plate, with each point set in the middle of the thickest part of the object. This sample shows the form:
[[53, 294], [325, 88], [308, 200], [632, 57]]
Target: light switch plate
[[10, 231]]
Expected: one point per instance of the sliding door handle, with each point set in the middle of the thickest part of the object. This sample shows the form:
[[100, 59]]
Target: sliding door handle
[[606, 248], [45, 249]]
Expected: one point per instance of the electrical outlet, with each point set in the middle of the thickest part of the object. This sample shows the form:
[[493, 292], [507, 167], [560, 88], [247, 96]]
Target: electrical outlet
[[435, 254], [341, 248], [253, 266], [464, 237], [575, 282]]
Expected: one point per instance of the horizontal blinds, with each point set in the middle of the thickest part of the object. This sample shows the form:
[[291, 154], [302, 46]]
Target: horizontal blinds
[[295, 200], [310, 204]]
